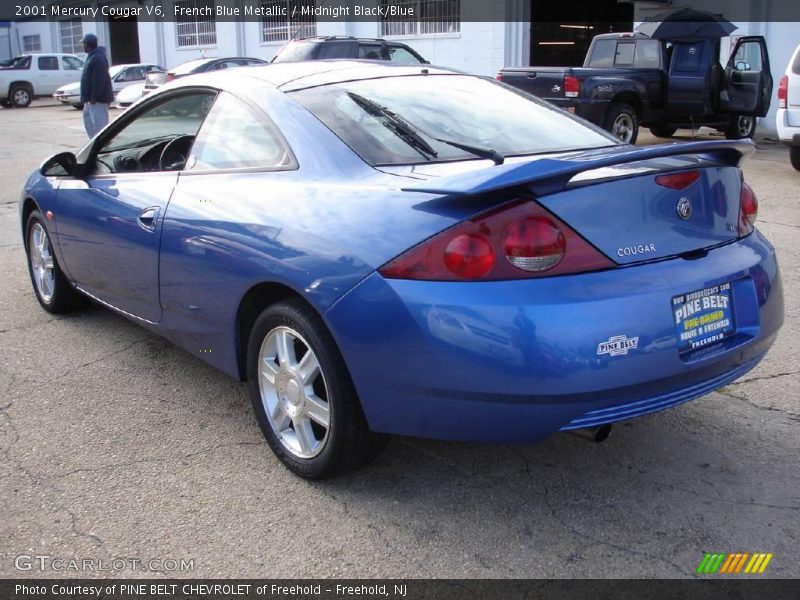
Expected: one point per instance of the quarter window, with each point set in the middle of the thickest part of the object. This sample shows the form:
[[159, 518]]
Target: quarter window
[[398, 54], [234, 136]]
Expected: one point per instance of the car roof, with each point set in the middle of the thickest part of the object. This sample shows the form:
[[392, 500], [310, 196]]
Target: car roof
[[305, 74], [340, 38]]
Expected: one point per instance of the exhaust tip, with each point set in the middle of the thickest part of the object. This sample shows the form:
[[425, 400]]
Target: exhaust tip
[[593, 434]]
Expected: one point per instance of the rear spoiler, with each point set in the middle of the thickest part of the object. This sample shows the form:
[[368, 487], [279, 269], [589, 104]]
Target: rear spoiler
[[551, 175]]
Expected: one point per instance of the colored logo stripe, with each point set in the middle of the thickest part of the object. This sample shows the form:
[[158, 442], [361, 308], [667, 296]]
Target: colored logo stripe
[[714, 562]]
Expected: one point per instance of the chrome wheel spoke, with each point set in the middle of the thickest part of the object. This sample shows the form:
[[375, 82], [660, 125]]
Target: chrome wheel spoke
[[308, 368], [286, 357], [269, 370], [305, 435], [47, 262], [279, 417], [317, 410], [42, 263]]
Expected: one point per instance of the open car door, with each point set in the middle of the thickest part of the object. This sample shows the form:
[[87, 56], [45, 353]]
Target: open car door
[[747, 82]]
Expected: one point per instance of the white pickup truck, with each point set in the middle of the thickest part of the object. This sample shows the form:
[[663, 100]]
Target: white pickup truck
[[33, 75]]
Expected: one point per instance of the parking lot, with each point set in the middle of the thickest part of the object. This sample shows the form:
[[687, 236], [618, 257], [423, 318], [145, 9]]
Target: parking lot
[[116, 445]]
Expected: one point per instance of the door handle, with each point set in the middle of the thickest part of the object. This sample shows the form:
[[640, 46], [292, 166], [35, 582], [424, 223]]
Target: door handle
[[148, 218]]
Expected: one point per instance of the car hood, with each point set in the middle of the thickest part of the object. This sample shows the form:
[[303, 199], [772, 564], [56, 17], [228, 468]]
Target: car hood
[[72, 88]]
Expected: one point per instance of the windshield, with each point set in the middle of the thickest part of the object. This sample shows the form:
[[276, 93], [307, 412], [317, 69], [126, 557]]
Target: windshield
[[423, 118], [114, 71], [295, 51], [190, 66]]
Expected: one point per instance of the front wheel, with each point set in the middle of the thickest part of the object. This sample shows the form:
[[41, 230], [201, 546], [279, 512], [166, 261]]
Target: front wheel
[[51, 287], [622, 122], [77, 106], [741, 127], [303, 397]]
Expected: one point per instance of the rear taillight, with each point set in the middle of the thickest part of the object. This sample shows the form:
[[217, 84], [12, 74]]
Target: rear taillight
[[748, 210], [499, 77], [572, 86], [678, 181], [783, 92], [170, 77], [518, 240]]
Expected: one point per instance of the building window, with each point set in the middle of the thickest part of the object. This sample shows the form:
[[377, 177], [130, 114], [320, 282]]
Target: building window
[[71, 34], [284, 20], [430, 17], [195, 23], [32, 43]]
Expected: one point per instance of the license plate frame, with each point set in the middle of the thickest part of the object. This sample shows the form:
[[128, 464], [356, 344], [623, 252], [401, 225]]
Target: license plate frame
[[703, 317]]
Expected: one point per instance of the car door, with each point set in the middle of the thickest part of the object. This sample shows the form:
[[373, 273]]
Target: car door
[[689, 79], [71, 69], [109, 222], [49, 77], [747, 83]]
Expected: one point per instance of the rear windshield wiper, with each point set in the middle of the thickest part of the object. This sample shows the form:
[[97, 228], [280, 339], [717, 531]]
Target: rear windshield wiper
[[410, 134], [396, 124]]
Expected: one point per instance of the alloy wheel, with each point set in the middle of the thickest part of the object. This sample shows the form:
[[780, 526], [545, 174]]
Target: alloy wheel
[[294, 393], [42, 264]]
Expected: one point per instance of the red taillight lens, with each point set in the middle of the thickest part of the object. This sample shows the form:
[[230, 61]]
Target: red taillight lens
[[535, 244], [748, 210], [572, 86], [499, 77], [170, 77], [678, 181], [469, 256], [518, 240], [783, 92]]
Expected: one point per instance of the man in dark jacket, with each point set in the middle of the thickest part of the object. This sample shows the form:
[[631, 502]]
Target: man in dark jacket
[[96, 90]]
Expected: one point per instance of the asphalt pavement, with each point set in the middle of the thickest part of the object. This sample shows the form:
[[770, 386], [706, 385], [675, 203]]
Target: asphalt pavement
[[117, 445]]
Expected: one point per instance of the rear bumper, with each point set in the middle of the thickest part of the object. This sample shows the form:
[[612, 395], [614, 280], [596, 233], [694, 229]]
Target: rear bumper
[[514, 361], [788, 134]]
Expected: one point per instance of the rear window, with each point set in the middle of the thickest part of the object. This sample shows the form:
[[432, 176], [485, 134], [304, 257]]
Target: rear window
[[190, 66], [648, 53], [603, 53], [409, 120], [624, 57]]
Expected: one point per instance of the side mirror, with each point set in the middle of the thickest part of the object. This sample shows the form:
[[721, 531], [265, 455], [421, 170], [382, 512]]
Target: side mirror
[[63, 164]]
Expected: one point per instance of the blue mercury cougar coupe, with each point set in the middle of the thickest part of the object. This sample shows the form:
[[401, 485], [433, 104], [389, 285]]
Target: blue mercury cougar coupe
[[410, 250]]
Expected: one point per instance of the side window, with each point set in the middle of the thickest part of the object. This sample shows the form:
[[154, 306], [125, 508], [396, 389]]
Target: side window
[[647, 54], [603, 53], [234, 137], [369, 51], [48, 63], [748, 57], [134, 74], [398, 54], [337, 49], [70, 63], [141, 143], [624, 56]]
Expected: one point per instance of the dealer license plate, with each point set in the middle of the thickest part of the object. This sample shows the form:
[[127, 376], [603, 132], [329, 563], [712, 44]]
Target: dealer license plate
[[703, 317]]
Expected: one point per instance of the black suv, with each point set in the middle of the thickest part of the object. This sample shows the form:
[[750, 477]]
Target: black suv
[[322, 47]]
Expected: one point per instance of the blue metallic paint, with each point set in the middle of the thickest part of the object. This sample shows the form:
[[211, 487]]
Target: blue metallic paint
[[508, 361]]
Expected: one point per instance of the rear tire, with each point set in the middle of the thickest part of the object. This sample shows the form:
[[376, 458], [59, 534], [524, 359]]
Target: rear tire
[[794, 157], [50, 286], [622, 122], [303, 397], [741, 127], [77, 106], [663, 131], [20, 96]]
